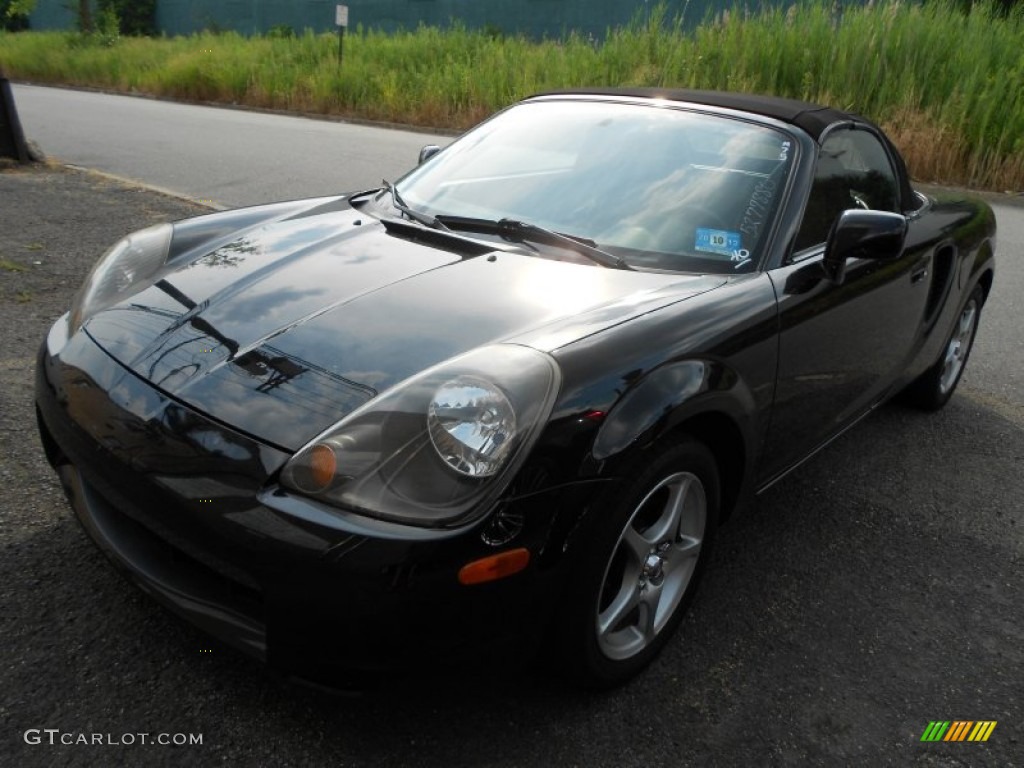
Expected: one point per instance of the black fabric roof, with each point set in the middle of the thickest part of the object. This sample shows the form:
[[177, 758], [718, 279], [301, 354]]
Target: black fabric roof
[[812, 118]]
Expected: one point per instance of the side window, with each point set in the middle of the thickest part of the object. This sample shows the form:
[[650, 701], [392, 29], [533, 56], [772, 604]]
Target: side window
[[853, 171]]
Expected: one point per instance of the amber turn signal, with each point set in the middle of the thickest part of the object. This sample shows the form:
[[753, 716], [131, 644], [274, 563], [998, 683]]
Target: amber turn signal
[[494, 567], [323, 465]]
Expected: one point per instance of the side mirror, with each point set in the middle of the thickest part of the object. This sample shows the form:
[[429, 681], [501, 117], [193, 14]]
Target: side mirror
[[859, 234], [428, 152]]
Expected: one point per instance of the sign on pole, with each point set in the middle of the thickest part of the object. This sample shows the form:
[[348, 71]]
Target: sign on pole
[[341, 20]]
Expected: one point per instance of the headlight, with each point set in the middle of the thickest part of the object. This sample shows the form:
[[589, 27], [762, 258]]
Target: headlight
[[471, 424], [439, 446], [120, 272]]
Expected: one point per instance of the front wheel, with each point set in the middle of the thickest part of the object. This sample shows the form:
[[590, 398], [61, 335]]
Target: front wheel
[[935, 386], [642, 567]]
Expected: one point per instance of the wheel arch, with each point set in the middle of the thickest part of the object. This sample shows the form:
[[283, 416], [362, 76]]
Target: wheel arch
[[702, 399], [723, 437], [985, 281], [979, 270]]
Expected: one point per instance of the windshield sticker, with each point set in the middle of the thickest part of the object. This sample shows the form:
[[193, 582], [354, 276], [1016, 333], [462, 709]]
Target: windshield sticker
[[784, 152], [718, 241], [740, 258]]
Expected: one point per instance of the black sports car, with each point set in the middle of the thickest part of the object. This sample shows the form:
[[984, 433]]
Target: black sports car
[[507, 399]]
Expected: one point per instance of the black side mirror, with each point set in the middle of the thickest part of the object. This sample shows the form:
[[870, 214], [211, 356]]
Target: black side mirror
[[859, 234], [428, 152]]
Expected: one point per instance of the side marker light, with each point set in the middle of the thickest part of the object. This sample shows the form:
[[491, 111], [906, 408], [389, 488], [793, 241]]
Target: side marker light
[[494, 567]]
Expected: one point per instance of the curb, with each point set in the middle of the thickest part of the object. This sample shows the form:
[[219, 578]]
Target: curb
[[322, 117], [213, 206]]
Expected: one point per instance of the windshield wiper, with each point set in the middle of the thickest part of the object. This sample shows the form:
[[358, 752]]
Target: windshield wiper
[[423, 218], [521, 232]]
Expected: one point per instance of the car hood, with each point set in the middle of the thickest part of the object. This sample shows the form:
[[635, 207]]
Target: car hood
[[286, 328]]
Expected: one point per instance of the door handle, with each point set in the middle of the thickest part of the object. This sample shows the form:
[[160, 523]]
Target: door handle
[[919, 274]]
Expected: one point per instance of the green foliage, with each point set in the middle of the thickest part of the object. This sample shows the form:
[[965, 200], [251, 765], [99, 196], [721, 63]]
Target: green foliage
[[135, 17], [12, 266], [281, 31], [102, 29], [108, 27], [111, 18], [946, 84], [493, 31], [14, 14], [213, 27], [83, 12], [20, 7]]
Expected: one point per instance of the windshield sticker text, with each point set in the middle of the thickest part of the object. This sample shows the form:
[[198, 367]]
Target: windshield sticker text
[[718, 241], [758, 207]]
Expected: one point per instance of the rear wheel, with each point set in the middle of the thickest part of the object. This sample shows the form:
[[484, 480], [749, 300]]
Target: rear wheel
[[935, 386], [640, 575]]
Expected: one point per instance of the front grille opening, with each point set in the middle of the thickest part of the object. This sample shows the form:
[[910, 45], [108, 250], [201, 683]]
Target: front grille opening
[[232, 590], [161, 562]]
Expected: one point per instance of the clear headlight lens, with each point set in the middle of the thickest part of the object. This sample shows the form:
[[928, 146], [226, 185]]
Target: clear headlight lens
[[438, 447], [471, 425], [120, 272]]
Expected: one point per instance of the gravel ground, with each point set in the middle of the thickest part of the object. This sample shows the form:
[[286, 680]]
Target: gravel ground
[[877, 589]]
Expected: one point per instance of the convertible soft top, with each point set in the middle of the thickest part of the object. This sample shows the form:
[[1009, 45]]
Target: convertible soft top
[[811, 118]]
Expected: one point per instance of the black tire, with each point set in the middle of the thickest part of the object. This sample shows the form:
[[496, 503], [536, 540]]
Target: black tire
[[643, 562], [932, 389]]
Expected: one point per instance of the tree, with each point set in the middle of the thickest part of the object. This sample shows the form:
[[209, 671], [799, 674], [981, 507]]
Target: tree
[[135, 17], [14, 14], [127, 17], [84, 13]]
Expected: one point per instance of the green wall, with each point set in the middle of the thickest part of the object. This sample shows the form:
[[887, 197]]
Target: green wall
[[535, 18], [51, 14]]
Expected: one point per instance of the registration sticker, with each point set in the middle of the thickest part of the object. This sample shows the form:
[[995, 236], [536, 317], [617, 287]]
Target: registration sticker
[[718, 241]]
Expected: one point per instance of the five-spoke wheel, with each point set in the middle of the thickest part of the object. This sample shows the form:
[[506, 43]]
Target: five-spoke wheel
[[959, 346], [643, 555], [935, 386], [651, 565]]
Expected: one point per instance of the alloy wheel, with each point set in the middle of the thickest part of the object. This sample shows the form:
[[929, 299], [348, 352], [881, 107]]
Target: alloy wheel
[[651, 565], [958, 347]]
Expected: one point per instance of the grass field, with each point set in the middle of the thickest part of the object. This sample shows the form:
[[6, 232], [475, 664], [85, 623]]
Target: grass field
[[948, 86]]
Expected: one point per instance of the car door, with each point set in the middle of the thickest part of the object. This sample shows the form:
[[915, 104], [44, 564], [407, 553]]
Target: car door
[[841, 347]]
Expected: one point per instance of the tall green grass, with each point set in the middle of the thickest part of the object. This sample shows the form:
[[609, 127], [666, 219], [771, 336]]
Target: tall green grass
[[948, 86]]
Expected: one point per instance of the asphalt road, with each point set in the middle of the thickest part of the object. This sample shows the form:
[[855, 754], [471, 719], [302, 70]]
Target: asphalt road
[[873, 591], [229, 157]]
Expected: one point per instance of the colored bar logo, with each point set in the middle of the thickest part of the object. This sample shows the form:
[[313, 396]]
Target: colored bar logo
[[958, 730]]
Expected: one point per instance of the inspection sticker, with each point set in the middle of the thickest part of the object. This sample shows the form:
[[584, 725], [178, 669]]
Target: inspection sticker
[[717, 241]]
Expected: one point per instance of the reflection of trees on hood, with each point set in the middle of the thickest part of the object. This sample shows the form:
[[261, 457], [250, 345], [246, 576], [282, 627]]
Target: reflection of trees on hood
[[230, 255], [271, 366]]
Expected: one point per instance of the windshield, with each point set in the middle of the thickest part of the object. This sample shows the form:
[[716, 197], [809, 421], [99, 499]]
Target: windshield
[[662, 188]]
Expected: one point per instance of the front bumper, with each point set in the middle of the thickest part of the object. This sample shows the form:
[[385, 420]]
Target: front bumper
[[181, 503]]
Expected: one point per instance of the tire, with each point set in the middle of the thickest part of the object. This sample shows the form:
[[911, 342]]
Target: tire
[[932, 389], [639, 575]]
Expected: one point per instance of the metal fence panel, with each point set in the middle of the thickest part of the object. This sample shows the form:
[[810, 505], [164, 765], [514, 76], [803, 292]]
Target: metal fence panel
[[533, 18]]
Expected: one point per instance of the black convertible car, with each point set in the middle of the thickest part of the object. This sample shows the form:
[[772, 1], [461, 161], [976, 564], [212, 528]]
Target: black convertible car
[[505, 401]]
